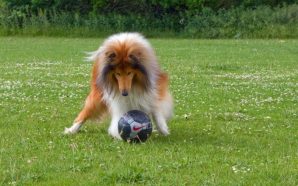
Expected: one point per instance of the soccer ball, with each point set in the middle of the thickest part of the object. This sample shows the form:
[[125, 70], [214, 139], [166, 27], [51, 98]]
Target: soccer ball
[[135, 126]]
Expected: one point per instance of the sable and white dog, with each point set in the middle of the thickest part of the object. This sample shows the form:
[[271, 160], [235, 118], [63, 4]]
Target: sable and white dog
[[126, 76]]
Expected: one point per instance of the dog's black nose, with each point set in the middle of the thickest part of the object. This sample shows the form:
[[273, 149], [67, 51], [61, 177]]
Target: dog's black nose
[[124, 93]]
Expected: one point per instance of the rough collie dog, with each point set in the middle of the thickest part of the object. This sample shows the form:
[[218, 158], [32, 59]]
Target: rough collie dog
[[126, 76]]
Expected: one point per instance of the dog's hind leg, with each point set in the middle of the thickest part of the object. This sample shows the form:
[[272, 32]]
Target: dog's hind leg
[[93, 108]]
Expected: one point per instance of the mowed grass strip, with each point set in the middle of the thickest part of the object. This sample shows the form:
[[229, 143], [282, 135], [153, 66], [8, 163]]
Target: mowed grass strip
[[235, 123]]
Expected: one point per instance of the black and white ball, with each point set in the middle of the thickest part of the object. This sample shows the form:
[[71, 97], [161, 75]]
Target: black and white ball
[[135, 126]]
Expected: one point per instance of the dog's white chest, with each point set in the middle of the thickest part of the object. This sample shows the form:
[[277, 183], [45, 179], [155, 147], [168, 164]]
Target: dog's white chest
[[122, 104]]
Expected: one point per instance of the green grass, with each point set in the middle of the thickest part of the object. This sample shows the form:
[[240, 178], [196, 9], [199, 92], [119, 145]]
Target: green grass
[[236, 123]]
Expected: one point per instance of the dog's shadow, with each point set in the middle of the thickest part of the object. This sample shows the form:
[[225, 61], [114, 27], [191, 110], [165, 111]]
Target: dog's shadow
[[194, 138], [178, 136]]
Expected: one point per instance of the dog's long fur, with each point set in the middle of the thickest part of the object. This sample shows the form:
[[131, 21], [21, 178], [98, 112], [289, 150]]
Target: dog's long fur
[[126, 76]]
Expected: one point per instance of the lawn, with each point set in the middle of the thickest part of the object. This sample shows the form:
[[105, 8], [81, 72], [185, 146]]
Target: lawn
[[235, 123]]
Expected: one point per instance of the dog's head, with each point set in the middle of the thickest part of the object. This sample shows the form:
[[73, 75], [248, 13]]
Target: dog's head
[[127, 63]]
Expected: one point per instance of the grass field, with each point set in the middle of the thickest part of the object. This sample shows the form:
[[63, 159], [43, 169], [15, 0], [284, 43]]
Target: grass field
[[236, 116]]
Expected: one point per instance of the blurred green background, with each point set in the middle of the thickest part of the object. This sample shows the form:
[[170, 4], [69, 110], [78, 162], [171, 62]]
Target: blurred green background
[[165, 18]]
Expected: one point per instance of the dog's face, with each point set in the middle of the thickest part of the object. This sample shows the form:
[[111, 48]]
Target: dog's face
[[124, 69], [124, 75]]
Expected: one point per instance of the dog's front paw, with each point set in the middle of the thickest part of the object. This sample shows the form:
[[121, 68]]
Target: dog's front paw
[[117, 137], [115, 134], [73, 129], [68, 131]]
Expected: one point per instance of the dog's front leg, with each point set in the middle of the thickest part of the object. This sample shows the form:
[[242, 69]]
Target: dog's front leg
[[161, 123], [113, 129], [94, 108]]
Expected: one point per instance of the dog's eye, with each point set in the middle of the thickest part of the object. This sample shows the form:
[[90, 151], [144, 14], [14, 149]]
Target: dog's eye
[[128, 73], [112, 55], [117, 74]]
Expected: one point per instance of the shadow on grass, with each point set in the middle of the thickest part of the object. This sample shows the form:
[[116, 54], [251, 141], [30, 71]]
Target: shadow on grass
[[180, 135], [198, 137], [186, 137]]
